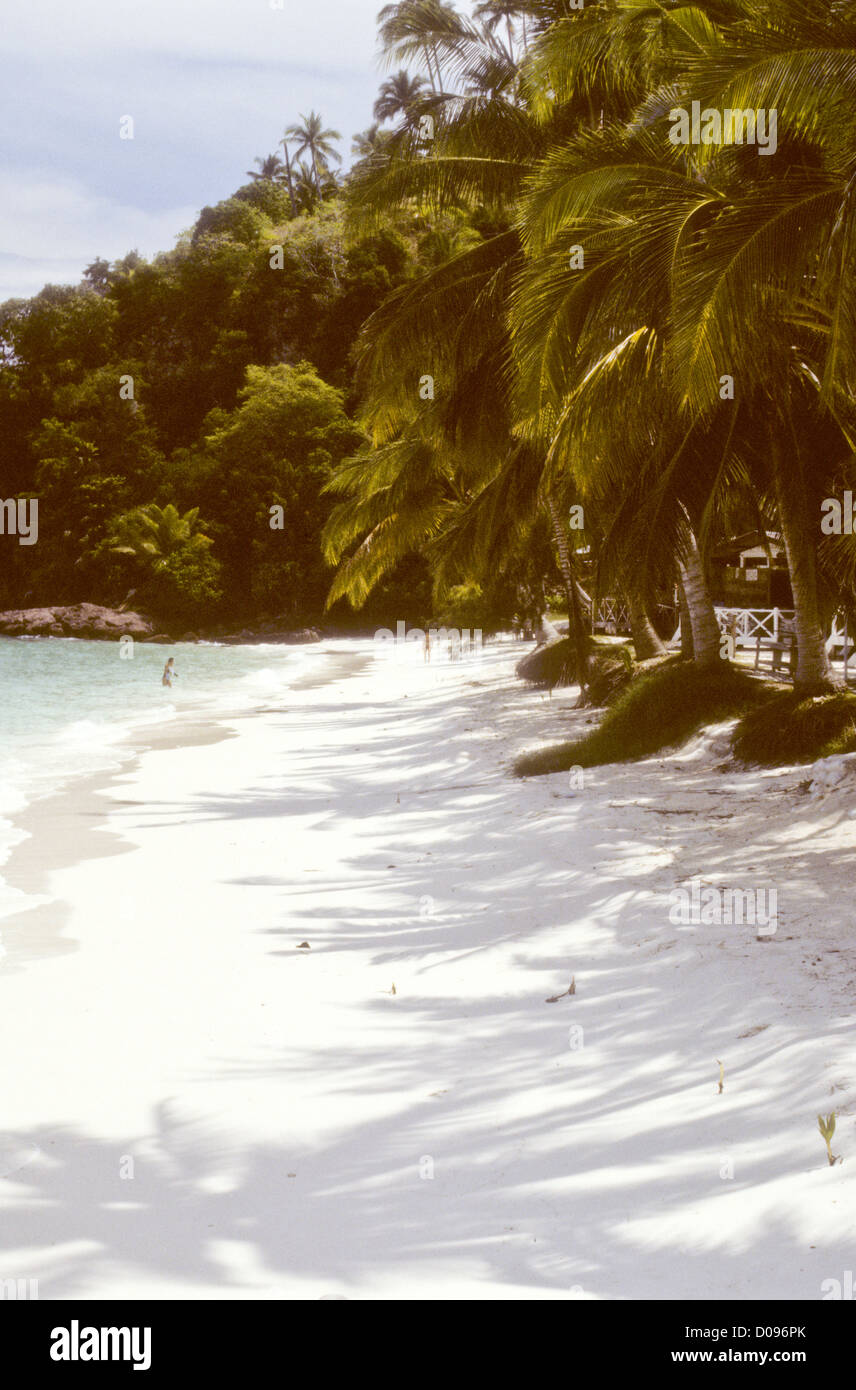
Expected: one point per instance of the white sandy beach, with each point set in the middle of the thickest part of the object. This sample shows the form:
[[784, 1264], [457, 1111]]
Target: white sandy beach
[[396, 1112]]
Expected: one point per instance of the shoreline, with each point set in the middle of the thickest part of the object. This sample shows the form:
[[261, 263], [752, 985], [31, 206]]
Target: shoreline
[[74, 819], [298, 1130]]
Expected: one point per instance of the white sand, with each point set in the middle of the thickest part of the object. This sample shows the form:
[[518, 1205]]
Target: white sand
[[282, 1109]]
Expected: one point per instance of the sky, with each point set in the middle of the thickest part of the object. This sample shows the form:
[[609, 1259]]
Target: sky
[[209, 84]]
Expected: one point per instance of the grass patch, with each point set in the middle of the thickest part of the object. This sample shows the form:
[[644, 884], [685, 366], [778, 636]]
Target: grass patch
[[797, 728], [662, 708]]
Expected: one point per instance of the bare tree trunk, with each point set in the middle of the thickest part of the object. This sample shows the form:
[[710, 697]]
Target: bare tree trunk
[[289, 179], [799, 535], [707, 639], [646, 642]]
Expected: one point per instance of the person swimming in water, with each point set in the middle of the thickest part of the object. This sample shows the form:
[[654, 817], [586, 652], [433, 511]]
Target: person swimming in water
[[169, 672]]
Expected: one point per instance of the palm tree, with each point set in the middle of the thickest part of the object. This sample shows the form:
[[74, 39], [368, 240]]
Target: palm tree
[[698, 261], [289, 178], [310, 135], [417, 30], [305, 190], [454, 318], [270, 168], [398, 94], [371, 142], [151, 533], [748, 262], [495, 13]]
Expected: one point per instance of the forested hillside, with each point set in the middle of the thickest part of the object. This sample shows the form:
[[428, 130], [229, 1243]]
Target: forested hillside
[[178, 419]]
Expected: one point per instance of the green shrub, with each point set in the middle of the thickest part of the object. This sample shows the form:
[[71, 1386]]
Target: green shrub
[[797, 728], [185, 585], [661, 708]]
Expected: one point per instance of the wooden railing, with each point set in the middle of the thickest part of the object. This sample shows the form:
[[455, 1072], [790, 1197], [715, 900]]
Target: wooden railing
[[748, 625], [611, 614]]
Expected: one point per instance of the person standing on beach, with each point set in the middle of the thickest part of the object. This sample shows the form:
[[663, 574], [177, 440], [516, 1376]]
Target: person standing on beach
[[169, 672]]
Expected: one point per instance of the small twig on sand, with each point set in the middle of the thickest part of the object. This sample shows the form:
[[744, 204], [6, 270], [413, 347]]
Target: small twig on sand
[[572, 989]]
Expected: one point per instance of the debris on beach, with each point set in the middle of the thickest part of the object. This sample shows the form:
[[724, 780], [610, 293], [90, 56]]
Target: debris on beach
[[572, 989]]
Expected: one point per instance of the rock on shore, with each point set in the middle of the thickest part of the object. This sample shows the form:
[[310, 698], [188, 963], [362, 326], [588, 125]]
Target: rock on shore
[[90, 620], [78, 620]]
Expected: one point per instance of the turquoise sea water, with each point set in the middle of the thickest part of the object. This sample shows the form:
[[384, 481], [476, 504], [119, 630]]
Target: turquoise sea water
[[67, 707]]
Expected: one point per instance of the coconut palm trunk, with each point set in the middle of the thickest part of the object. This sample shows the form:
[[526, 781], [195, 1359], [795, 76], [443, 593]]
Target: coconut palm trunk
[[289, 180], [799, 536], [646, 640], [317, 175], [582, 643], [707, 639], [686, 626]]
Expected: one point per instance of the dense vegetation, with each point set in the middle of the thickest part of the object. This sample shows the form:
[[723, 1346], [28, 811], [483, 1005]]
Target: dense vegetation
[[215, 380], [661, 333], [532, 341]]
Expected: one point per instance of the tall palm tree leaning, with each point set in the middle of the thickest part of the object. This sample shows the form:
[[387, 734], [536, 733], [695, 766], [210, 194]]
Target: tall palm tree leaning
[[749, 253], [311, 136], [706, 342], [454, 317]]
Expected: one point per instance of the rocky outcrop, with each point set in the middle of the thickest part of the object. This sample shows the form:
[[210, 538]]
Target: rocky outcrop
[[92, 621], [88, 620]]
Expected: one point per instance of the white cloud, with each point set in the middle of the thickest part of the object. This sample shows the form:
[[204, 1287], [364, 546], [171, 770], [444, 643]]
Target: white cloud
[[324, 33], [210, 84], [50, 230]]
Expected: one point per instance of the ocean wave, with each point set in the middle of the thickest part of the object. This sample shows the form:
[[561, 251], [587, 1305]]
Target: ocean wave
[[77, 708]]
